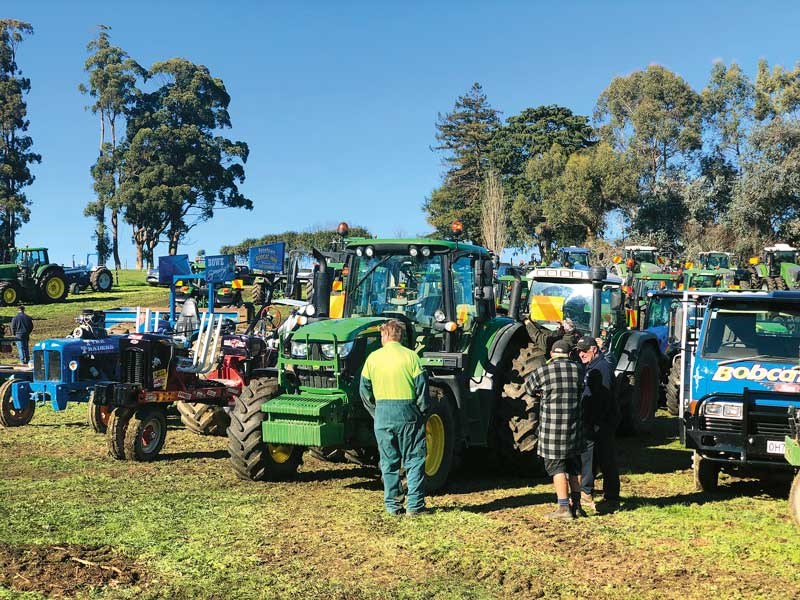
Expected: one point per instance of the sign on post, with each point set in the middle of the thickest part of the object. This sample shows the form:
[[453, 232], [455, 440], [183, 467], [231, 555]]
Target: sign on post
[[268, 258], [220, 268], [172, 265]]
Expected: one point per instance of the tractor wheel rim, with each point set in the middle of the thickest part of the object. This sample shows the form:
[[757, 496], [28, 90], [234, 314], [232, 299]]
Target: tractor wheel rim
[[435, 440], [9, 295], [151, 434], [645, 393], [55, 287], [279, 454], [104, 280], [16, 415], [104, 414]]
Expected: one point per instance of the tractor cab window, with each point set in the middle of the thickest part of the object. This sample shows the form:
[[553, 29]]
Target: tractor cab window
[[552, 301], [716, 261], [644, 256], [463, 292], [398, 285], [704, 281], [659, 310], [769, 331], [784, 256], [31, 258], [578, 258], [653, 285]]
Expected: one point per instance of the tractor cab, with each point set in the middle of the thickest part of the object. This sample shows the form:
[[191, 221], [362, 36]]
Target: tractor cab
[[714, 260], [29, 259], [572, 257]]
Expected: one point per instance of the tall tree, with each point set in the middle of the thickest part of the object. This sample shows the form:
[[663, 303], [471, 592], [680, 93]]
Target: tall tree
[[16, 153], [465, 136], [177, 170], [112, 86], [728, 102], [494, 215]]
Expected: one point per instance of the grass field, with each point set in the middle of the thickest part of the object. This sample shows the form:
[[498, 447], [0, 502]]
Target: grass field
[[75, 522]]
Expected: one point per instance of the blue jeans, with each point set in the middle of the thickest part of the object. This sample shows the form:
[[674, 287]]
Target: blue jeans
[[603, 453], [22, 350], [400, 433]]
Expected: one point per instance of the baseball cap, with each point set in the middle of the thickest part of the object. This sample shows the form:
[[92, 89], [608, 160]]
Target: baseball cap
[[560, 347], [586, 342]]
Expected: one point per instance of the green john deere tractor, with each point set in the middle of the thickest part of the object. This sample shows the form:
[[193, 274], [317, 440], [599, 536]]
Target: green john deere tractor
[[777, 269], [442, 292], [32, 278]]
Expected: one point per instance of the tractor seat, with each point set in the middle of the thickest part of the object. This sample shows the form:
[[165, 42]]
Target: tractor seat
[[188, 321]]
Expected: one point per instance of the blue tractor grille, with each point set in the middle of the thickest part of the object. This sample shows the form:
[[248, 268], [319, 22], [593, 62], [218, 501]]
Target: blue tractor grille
[[38, 365], [53, 365]]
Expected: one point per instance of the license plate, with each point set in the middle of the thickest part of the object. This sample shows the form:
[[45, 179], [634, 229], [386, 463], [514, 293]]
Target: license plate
[[775, 447]]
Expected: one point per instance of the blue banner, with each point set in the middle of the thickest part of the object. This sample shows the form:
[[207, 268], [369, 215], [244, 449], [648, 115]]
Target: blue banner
[[172, 265], [220, 268], [268, 257]]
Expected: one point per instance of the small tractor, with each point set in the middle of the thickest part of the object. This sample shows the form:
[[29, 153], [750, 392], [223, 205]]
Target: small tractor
[[442, 292], [777, 269], [741, 397], [81, 277], [593, 301], [572, 257], [32, 278]]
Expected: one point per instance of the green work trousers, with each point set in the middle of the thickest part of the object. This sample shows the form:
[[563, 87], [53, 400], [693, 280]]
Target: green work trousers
[[400, 432]]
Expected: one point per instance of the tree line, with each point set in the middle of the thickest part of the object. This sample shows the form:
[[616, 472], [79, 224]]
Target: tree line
[[685, 169], [162, 165]]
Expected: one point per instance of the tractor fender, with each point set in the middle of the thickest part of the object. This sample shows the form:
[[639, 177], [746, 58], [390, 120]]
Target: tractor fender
[[632, 344], [50, 269], [500, 343], [21, 394]]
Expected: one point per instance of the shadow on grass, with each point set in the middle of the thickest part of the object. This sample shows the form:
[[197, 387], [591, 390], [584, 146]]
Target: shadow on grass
[[506, 503], [57, 425], [193, 455], [736, 489]]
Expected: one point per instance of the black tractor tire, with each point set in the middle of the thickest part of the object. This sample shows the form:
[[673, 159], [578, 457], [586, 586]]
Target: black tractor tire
[[443, 447], [53, 286], [794, 499], [251, 457], [309, 292], [638, 408], [10, 416], [101, 280], [673, 387], [146, 433], [516, 418], [9, 293], [118, 422], [706, 474], [772, 283], [99, 416], [259, 293], [780, 284], [204, 419], [755, 278]]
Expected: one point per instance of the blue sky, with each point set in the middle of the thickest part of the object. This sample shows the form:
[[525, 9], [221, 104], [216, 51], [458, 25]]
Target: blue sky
[[338, 100]]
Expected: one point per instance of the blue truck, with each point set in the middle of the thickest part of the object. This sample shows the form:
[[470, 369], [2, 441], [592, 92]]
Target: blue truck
[[740, 384]]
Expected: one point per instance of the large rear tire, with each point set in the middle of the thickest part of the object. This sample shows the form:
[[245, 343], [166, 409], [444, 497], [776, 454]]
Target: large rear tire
[[706, 474], [10, 416], [53, 286], [9, 293], [204, 419], [101, 280], [673, 387], [98, 415], [639, 412], [251, 457], [772, 284], [443, 449], [794, 499], [146, 433], [258, 293]]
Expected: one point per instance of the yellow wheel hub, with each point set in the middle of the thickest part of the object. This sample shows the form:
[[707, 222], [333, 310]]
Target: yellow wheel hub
[[55, 287], [9, 295], [435, 439], [279, 454]]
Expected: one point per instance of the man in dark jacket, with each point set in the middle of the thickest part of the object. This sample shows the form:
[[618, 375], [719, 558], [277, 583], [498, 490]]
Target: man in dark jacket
[[601, 417], [21, 328], [559, 384]]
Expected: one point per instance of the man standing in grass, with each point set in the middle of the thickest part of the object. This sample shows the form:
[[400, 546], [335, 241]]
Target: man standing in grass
[[559, 384], [394, 391], [21, 328]]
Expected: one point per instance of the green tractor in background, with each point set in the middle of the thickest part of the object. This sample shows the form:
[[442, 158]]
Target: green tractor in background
[[442, 292], [777, 269], [713, 271], [642, 270], [32, 278]]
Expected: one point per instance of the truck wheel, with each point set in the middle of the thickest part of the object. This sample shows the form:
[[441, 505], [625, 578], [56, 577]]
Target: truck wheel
[[146, 433], [516, 421], [117, 427], [10, 416], [259, 293], [101, 280], [440, 437], [794, 499], [639, 413], [9, 293], [98, 415], [673, 388], [250, 456], [203, 419], [53, 286], [706, 474]]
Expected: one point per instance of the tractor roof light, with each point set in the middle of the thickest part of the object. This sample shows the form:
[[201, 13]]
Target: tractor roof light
[[629, 263], [310, 310], [369, 251], [412, 250], [456, 227], [450, 326], [617, 259], [426, 251], [343, 229], [359, 251]]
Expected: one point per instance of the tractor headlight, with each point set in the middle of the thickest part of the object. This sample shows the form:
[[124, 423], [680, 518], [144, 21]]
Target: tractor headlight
[[310, 310], [369, 251], [299, 350], [723, 410], [412, 250], [73, 365], [329, 349], [426, 252]]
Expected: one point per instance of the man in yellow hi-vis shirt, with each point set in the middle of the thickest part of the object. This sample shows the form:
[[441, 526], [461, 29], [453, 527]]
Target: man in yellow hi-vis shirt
[[394, 390]]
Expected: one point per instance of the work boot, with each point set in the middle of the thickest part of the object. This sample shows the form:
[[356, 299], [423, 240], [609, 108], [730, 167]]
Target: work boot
[[577, 511], [417, 513], [588, 500], [561, 512]]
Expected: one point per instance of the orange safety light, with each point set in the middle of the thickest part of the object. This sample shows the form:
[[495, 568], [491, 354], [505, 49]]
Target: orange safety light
[[456, 227], [692, 407], [345, 271], [617, 259], [629, 263], [343, 229], [688, 264]]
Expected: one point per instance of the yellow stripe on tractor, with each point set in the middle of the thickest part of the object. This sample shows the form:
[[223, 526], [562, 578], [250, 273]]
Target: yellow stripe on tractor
[[547, 308]]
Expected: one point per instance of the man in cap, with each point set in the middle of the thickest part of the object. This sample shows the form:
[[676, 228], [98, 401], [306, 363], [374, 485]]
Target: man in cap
[[21, 328], [559, 384], [600, 417]]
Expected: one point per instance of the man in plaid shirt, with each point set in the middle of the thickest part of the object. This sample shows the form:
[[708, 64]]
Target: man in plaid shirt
[[559, 384]]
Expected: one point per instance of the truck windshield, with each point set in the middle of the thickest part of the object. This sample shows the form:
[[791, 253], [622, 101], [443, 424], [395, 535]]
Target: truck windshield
[[554, 301], [398, 283], [743, 330]]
